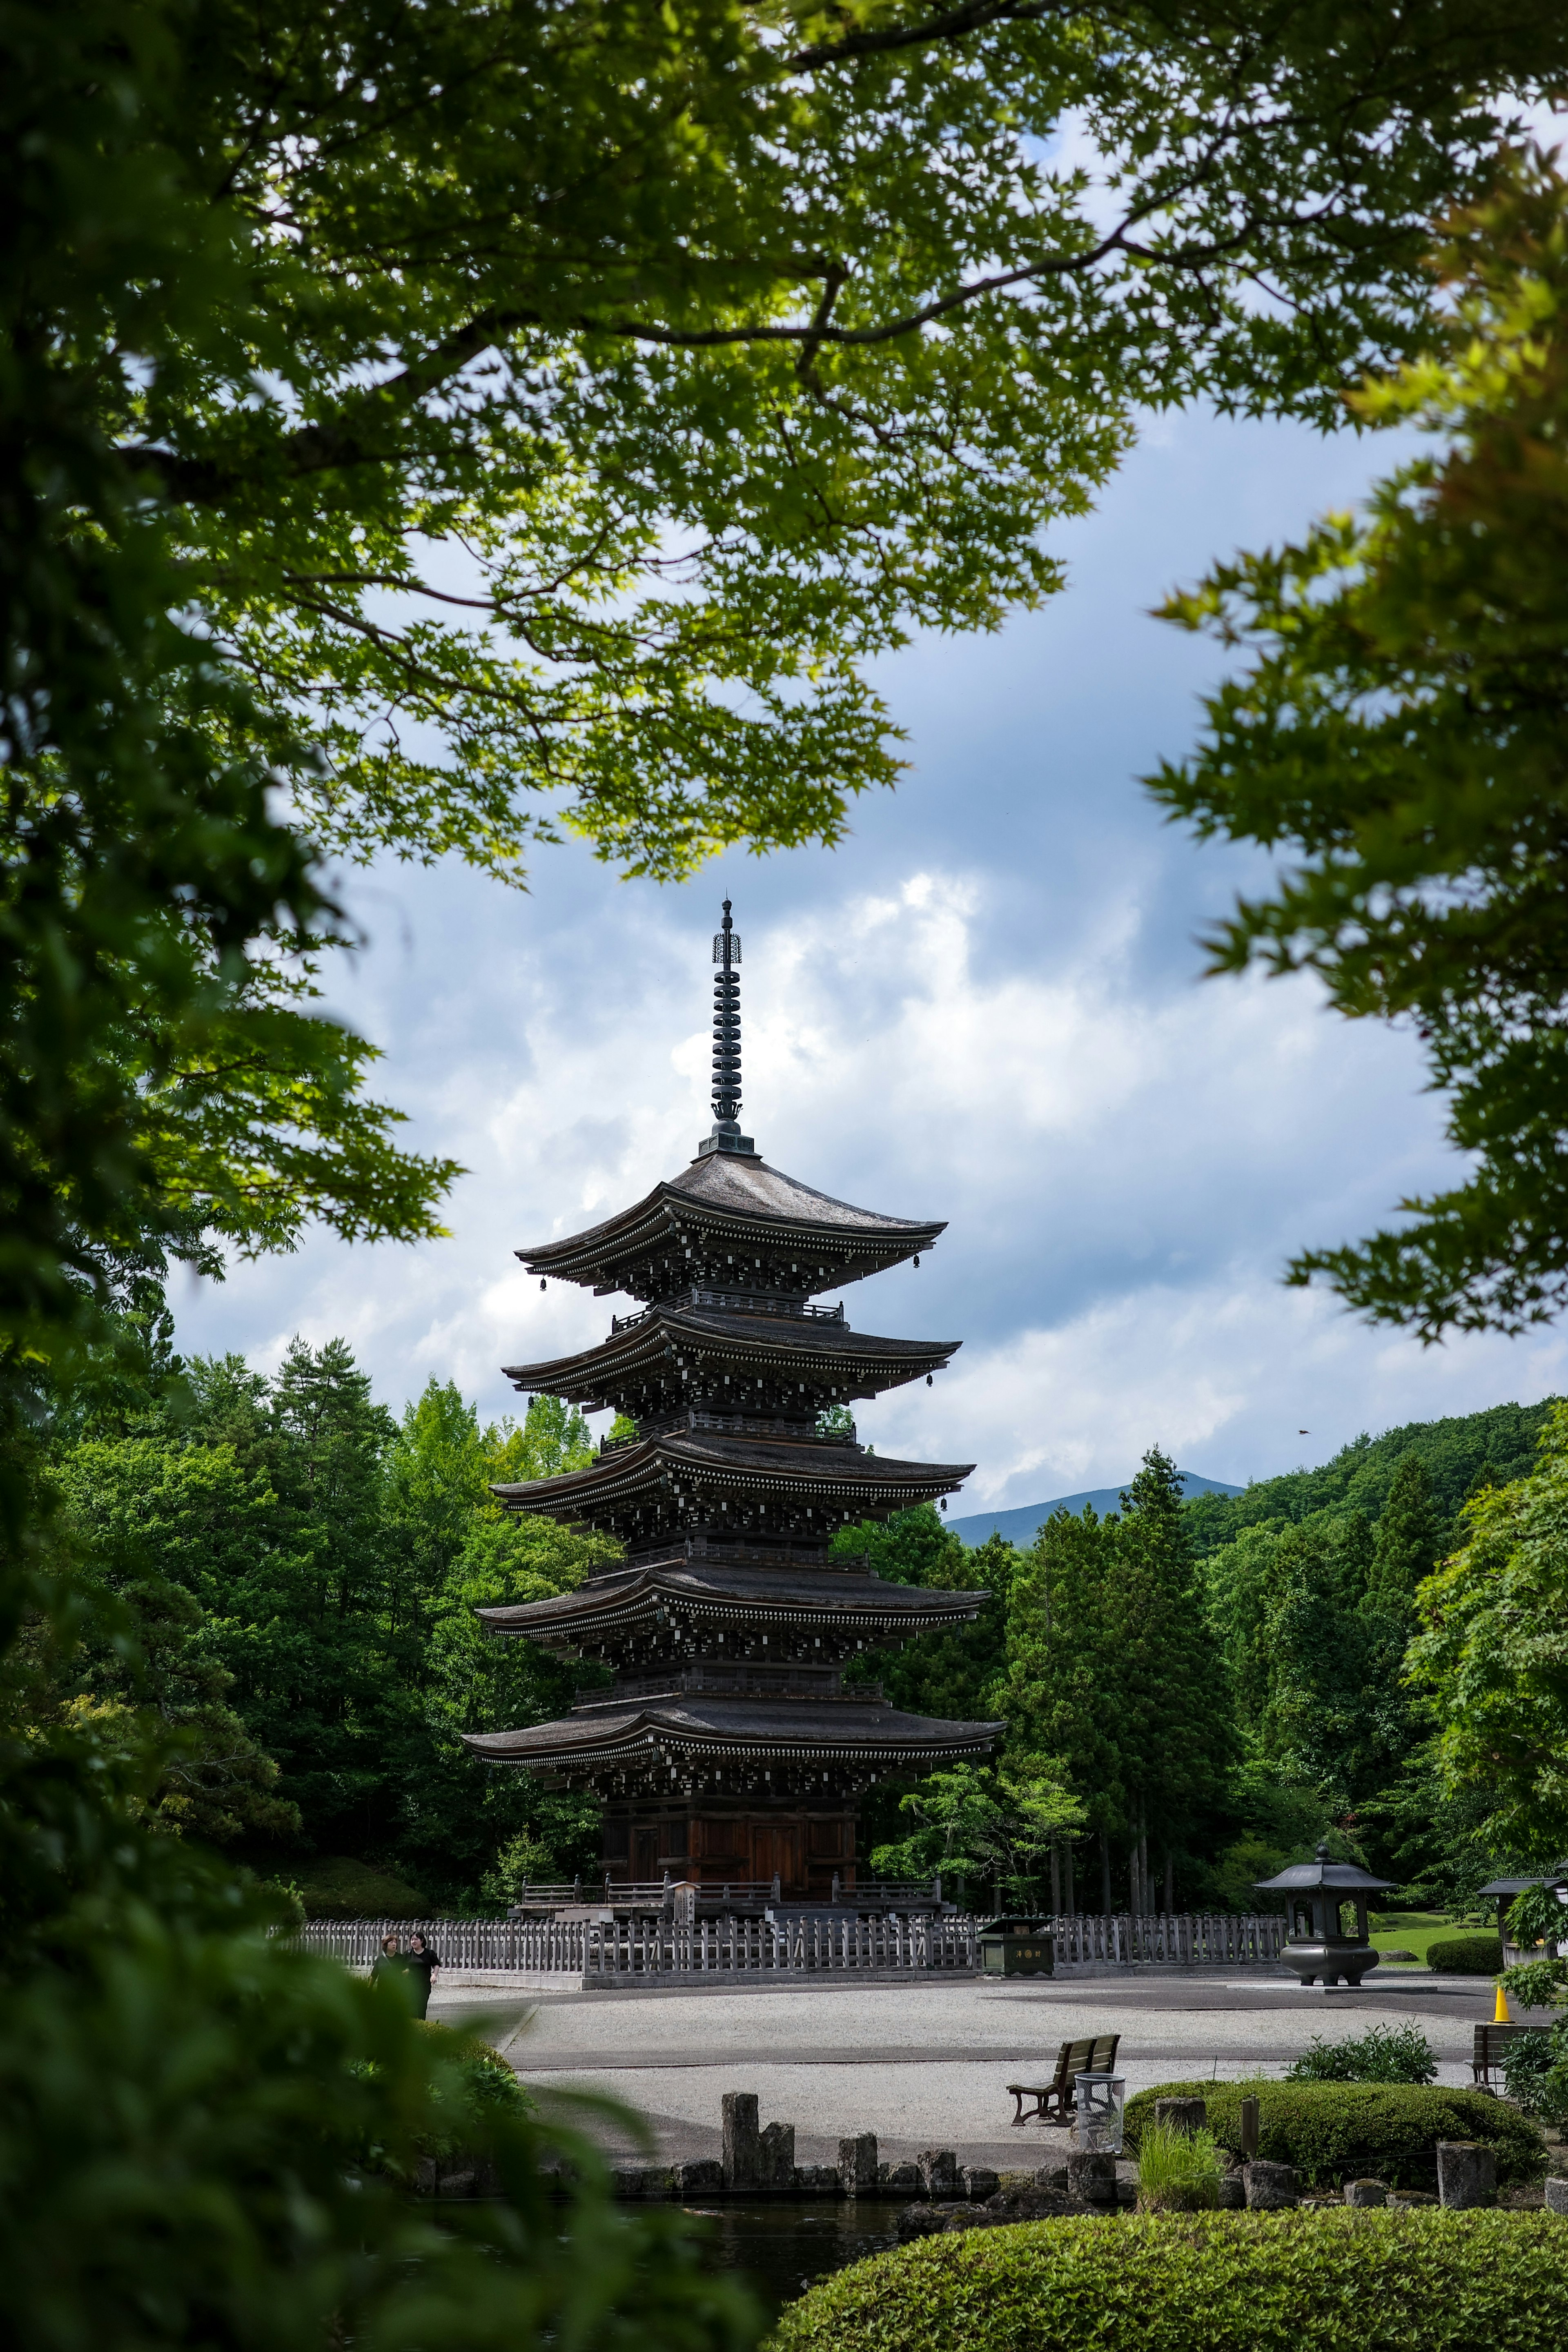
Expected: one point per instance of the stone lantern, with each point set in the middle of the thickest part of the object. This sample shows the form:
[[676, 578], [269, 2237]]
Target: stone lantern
[[1317, 1894]]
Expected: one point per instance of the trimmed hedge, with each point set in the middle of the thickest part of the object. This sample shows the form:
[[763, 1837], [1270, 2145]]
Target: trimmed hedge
[[1335, 2132], [1466, 1955], [333, 1886], [1339, 2281]]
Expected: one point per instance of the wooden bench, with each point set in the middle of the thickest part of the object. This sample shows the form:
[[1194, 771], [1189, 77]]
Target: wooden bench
[[1053, 2100], [1486, 2060]]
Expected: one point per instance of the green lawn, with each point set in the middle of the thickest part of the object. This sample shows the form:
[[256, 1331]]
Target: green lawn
[[1412, 1931]]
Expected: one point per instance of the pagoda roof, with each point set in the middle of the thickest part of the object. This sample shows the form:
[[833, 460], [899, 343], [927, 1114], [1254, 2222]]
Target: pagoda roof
[[755, 1335], [734, 1196], [692, 1727], [625, 1599], [711, 1461]]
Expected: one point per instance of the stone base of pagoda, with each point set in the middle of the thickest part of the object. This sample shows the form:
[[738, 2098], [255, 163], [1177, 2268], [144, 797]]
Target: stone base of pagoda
[[714, 1841]]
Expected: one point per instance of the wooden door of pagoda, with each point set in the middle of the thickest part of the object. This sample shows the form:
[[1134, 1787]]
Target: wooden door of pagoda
[[776, 1853], [644, 1846]]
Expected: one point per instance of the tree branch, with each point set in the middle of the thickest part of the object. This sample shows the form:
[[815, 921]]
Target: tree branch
[[952, 26]]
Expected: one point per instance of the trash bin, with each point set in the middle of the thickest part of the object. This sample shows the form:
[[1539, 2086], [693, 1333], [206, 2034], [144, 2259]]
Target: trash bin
[[1017, 1947]]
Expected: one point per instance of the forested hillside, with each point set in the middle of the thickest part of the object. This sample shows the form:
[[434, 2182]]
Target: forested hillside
[[1473, 1450]]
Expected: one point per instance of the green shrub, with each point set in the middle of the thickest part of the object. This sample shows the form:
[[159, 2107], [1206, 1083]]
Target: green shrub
[[1303, 2282], [1466, 1955], [1387, 2054], [1178, 2171], [1535, 2068], [334, 1887], [488, 2082], [1333, 2132]]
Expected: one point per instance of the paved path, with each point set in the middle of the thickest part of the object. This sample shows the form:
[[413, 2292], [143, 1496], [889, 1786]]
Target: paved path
[[927, 2064]]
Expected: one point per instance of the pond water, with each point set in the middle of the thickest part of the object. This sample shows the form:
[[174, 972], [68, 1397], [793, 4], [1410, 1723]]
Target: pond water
[[784, 2248]]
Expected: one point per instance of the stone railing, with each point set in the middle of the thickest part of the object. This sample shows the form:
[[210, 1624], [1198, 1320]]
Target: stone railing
[[794, 1942]]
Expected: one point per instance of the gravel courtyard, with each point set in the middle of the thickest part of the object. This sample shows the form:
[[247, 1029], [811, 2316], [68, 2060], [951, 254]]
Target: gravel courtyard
[[927, 2063]]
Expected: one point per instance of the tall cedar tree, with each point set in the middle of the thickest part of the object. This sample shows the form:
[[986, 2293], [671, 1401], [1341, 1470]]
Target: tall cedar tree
[[1173, 1729]]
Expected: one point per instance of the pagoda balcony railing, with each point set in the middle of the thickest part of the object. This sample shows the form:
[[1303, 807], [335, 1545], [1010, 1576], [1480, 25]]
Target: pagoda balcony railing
[[746, 1302], [766, 1302], [672, 1894], [732, 1424], [805, 1552], [718, 1680]]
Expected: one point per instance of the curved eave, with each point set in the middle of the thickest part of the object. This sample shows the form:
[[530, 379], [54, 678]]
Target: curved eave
[[832, 1733], [599, 1253], [776, 1340], [764, 1598], [685, 1463]]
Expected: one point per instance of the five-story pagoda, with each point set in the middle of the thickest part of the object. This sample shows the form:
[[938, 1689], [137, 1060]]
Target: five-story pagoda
[[728, 1747]]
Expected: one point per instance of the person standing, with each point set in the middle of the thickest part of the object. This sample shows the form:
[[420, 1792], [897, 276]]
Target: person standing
[[391, 1965], [421, 1963]]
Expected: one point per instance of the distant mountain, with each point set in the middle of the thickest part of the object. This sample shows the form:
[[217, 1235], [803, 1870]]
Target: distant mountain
[[1021, 1525]]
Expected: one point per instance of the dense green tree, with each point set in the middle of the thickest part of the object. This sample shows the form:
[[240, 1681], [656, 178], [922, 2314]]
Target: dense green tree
[[165, 1530], [625, 380], [1494, 1657], [956, 1674], [551, 1438], [299, 1575], [1440, 1841], [1113, 1667], [1055, 1691], [970, 1826], [1408, 1540], [1175, 1743], [952, 1673], [1399, 745]]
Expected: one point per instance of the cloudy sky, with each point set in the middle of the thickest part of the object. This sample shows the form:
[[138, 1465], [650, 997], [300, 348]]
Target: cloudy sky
[[986, 1007]]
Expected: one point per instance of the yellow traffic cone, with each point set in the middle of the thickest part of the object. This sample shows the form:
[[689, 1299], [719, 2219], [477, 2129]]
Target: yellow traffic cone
[[1499, 2013]]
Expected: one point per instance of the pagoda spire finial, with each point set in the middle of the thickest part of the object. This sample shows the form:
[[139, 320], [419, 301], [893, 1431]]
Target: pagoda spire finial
[[726, 1135]]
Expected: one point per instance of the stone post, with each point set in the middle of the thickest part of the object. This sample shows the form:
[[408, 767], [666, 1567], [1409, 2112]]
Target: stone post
[[1251, 2123], [1092, 2176], [1557, 2195], [1182, 2115], [776, 2157], [1366, 2192], [858, 2165], [938, 2169], [740, 2139], [1269, 2186], [1466, 2173]]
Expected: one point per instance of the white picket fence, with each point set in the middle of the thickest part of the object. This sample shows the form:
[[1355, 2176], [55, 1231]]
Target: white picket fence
[[617, 1951]]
